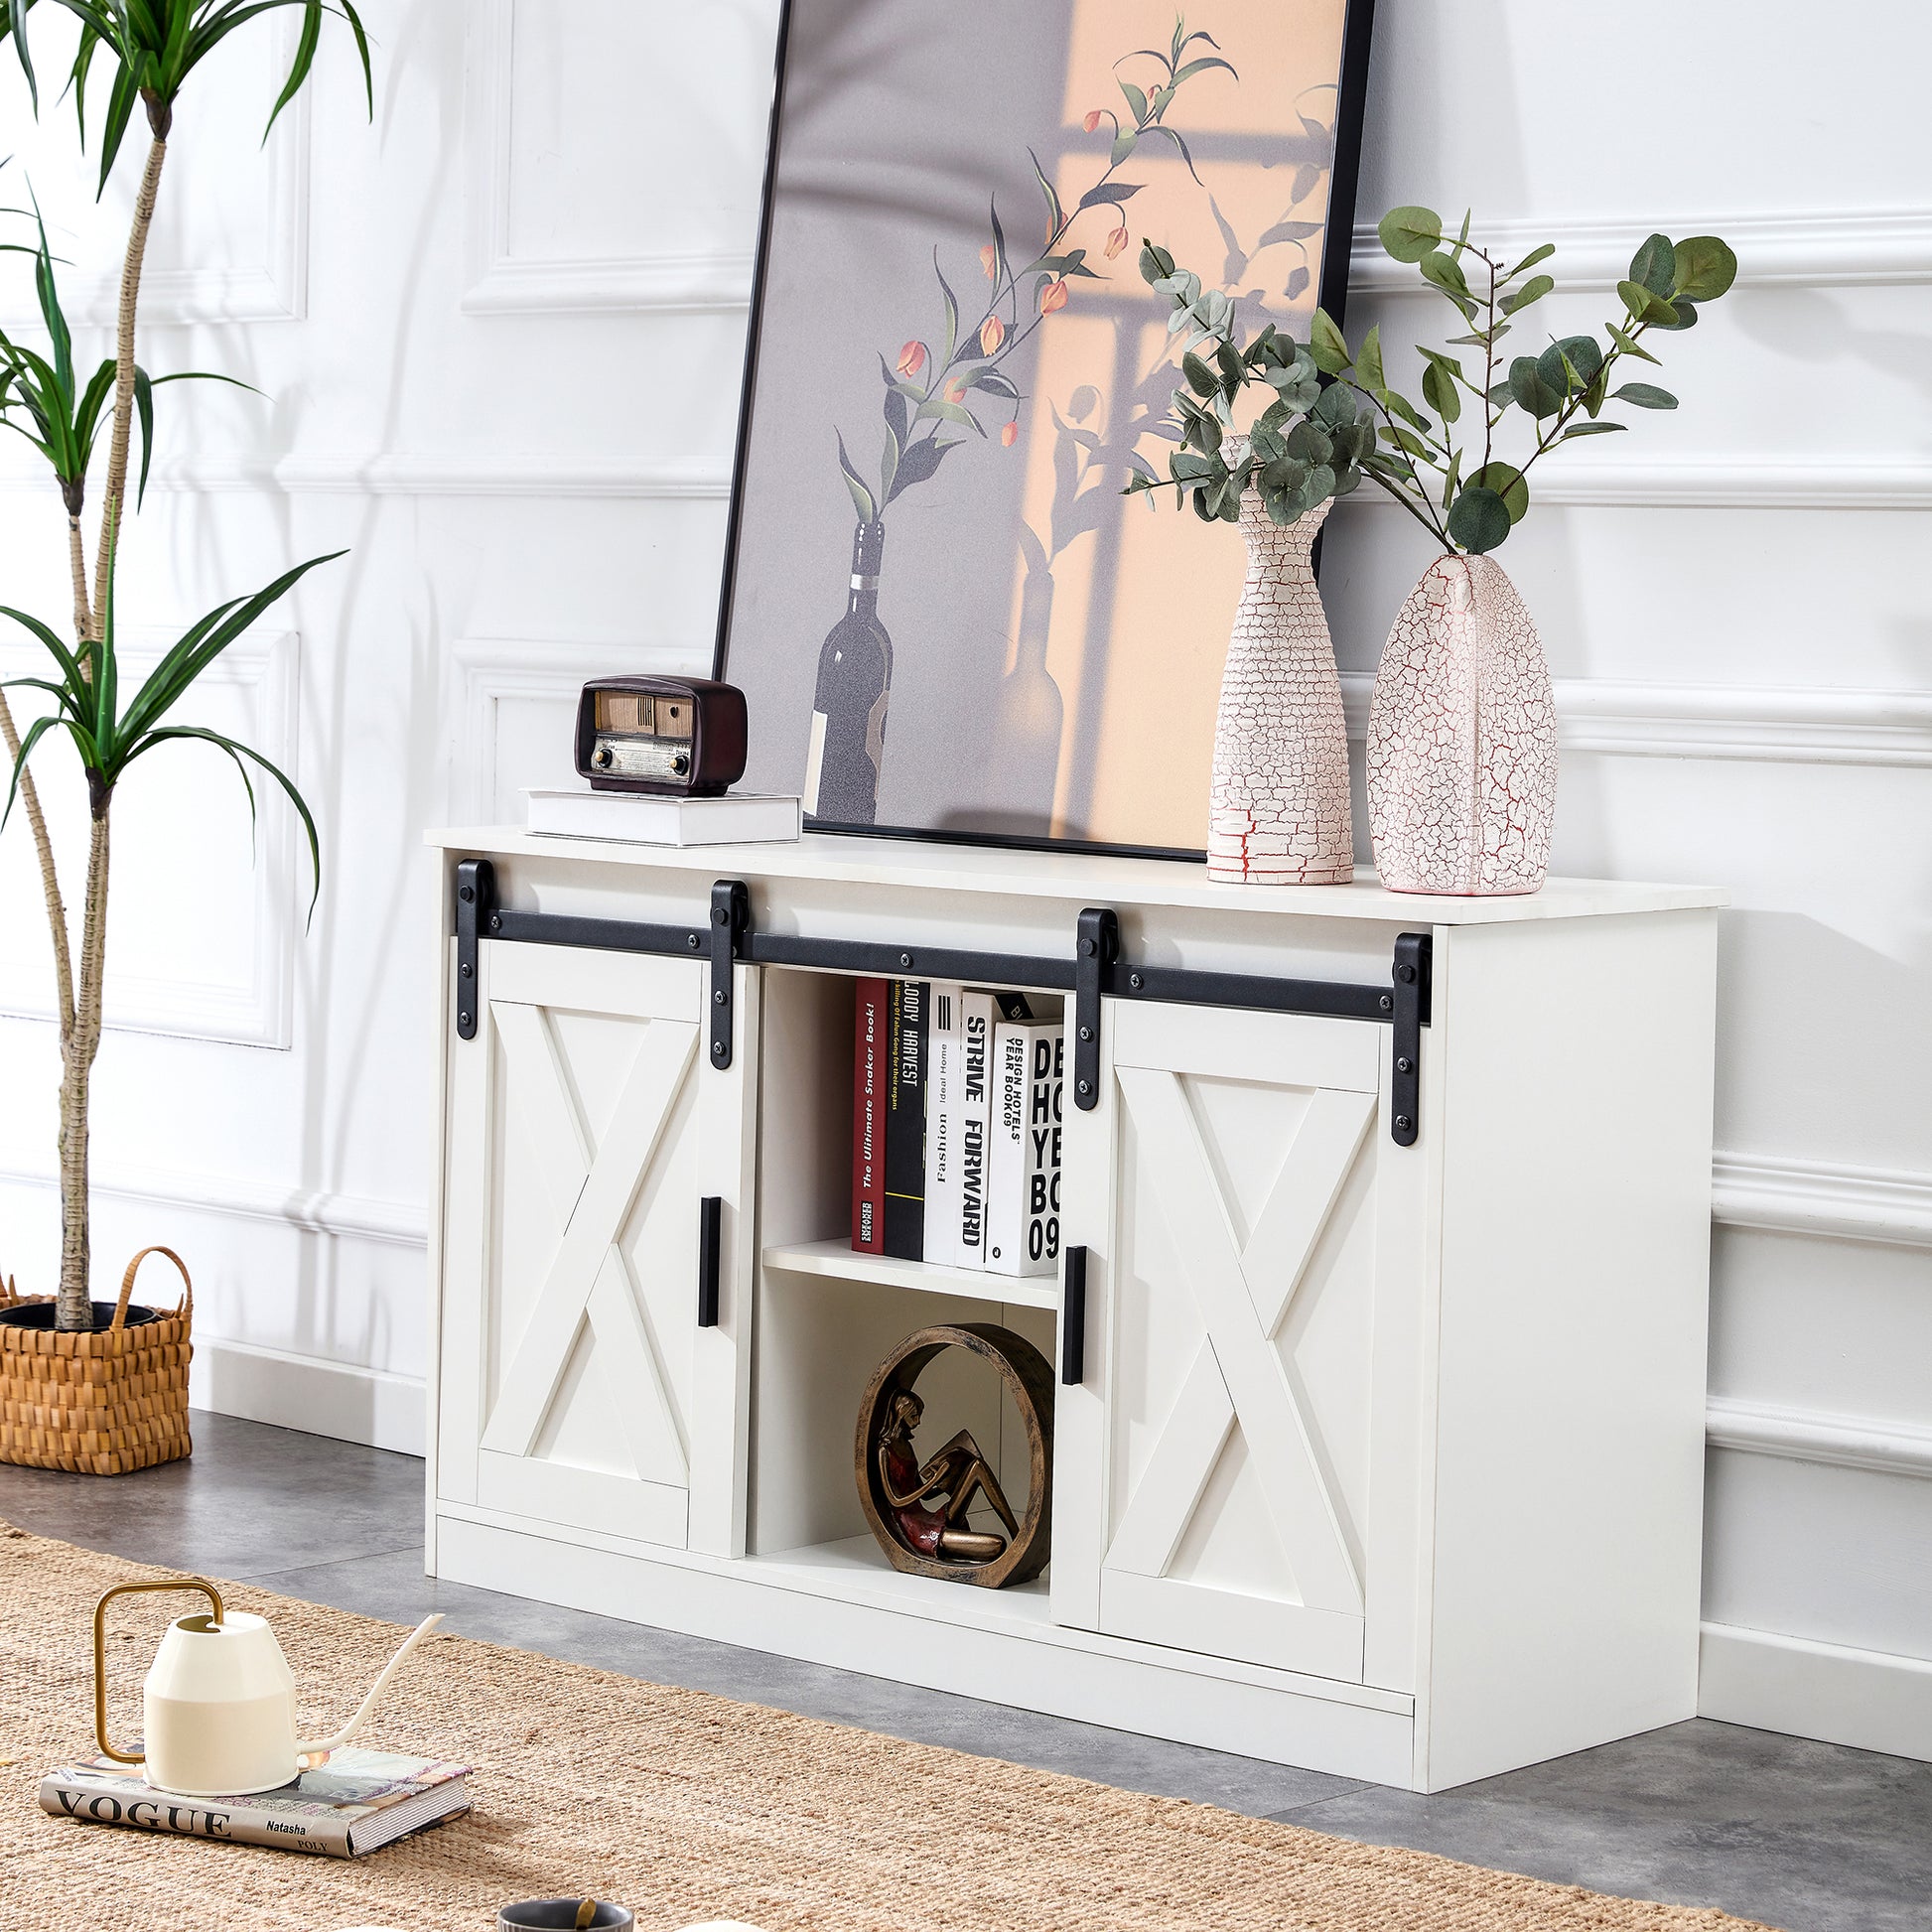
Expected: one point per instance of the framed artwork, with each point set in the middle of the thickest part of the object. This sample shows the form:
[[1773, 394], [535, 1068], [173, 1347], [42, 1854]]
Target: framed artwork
[[947, 618]]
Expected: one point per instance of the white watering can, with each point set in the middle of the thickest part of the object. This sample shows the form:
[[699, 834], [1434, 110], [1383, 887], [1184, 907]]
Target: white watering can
[[218, 1704]]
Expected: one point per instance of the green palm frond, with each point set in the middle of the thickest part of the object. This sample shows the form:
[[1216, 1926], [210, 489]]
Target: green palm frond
[[155, 45], [13, 27], [40, 399], [87, 697]]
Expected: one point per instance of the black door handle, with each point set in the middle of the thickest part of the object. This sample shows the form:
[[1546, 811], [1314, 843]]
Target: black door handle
[[710, 1221], [1073, 1319]]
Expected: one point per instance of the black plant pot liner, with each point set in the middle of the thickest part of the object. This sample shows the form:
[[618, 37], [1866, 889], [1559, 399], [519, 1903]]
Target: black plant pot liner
[[39, 1314]]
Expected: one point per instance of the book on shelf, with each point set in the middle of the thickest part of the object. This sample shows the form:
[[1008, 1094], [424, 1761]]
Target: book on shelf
[[354, 1804], [871, 1030], [650, 818], [975, 1103], [944, 1090], [924, 1104], [1023, 1182], [905, 1090]]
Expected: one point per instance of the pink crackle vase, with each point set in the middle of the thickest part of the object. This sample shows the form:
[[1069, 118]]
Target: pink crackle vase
[[1463, 740], [1277, 810]]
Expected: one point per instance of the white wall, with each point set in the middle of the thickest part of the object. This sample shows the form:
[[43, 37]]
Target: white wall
[[501, 333]]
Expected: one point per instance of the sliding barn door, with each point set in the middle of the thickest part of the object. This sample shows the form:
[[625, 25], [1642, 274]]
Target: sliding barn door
[[1234, 1180], [586, 1130]]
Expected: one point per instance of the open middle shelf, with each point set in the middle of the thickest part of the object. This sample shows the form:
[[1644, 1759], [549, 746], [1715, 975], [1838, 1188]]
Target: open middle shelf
[[840, 1261]]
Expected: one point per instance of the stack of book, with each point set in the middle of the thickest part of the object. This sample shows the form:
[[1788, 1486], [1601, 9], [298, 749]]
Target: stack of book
[[956, 1127]]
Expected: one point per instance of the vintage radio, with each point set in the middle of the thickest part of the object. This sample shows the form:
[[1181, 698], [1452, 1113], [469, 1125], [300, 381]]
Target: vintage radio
[[681, 736]]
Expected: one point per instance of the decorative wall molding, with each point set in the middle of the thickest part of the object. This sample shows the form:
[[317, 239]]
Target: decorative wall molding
[[1811, 1435], [491, 669], [1827, 484], [1848, 1204], [668, 282], [274, 289], [1827, 247], [305, 1392], [448, 473], [403, 1224], [1769, 724], [260, 1012], [1739, 482], [1867, 1699]]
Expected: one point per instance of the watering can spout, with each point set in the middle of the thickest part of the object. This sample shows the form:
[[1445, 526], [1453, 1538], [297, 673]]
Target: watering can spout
[[323, 1746]]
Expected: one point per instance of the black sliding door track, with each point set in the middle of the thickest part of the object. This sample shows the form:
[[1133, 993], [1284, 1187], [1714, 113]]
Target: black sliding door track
[[1093, 971]]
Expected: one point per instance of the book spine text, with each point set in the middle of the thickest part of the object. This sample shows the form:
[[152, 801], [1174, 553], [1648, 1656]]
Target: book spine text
[[871, 1027], [188, 1818], [1023, 1185], [905, 1123], [945, 1080]]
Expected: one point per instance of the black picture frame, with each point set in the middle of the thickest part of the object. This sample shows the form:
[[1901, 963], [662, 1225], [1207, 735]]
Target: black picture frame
[[1332, 295]]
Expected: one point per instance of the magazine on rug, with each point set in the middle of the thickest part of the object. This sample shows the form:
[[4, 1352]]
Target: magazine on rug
[[354, 1804]]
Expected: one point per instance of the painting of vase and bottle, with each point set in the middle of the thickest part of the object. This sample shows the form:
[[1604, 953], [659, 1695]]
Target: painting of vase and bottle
[[945, 614]]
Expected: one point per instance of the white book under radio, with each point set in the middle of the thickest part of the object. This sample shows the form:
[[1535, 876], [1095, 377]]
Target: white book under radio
[[1023, 1169], [648, 818]]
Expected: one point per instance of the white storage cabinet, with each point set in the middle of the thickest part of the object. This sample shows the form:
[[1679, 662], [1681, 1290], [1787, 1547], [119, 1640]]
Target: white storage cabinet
[[1379, 1435]]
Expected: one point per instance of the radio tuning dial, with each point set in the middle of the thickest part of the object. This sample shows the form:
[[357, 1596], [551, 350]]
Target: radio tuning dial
[[601, 758], [680, 765]]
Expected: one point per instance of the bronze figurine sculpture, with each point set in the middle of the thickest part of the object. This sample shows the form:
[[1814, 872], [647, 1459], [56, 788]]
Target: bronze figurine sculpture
[[918, 1507], [956, 1476]]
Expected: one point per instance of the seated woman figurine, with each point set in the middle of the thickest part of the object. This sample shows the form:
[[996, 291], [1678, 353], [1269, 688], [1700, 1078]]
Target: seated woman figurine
[[955, 1476]]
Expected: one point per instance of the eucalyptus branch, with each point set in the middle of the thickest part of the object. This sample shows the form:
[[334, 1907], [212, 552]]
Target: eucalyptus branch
[[1568, 379]]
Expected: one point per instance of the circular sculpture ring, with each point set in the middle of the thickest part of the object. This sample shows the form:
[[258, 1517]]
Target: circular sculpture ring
[[915, 1532]]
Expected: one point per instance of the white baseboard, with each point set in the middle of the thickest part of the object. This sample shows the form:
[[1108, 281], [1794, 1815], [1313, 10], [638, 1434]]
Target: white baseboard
[[320, 1398], [1867, 1699]]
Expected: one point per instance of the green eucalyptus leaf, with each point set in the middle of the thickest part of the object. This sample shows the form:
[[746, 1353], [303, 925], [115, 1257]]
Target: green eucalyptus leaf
[[1400, 405], [1200, 378], [1409, 234], [1570, 365], [1704, 269], [1646, 304], [1334, 407], [1479, 520], [1440, 392], [1628, 342], [1654, 266], [1530, 260], [1327, 345], [1369, 361], [1156, 263], [1509, 484], [1446, 272], [1645, 396], [1530, 391], [1590, 429], [1683, 314], [1533, 290]]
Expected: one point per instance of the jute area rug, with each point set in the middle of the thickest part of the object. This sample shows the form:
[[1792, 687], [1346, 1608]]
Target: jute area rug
[[681, 1805]]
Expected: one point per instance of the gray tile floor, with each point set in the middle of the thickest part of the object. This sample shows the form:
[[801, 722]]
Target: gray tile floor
[[1807, 1837]]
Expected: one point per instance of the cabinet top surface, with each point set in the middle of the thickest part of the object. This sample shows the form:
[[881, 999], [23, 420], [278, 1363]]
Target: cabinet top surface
[[1087, 877]]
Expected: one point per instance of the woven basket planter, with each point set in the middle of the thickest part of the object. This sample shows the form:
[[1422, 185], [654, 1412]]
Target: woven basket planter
[[103, 1404]]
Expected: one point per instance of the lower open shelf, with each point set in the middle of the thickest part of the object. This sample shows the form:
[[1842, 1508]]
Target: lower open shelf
[[857, 1568], [839, 1261]]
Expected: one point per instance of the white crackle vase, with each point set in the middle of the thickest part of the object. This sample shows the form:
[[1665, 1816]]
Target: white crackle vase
[[1278, 812], [1463, 740]]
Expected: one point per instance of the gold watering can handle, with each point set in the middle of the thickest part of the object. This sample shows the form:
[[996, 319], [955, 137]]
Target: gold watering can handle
[[101, 1649]]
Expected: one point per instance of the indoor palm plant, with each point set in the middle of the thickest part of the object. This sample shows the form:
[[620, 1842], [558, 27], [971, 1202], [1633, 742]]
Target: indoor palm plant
[[144, 52]]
